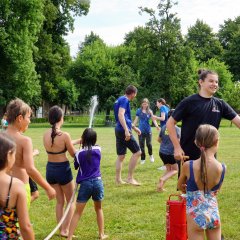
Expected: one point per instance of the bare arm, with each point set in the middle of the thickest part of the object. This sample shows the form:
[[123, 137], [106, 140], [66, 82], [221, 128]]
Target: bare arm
[[183, 177], [121, 118], [28, 164], [135, 121], [178, 152], [154, 121], [76, 141], [162, 117], [236, 121], [35, 152], [23, 216], [136, 129], [71, 149]]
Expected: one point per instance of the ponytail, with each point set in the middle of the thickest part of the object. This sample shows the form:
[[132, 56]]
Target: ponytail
[[203, 170], [54, 133]]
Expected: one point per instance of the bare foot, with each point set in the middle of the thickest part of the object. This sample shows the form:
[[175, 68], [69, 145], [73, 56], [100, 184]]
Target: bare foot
[[161, 189], [160, 185], [103, 237], [120, 182], [133, 182], [64, 234]]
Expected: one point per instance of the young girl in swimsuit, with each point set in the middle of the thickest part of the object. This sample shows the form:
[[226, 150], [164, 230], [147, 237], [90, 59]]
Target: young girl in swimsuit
[[87, 160], [58, 171], [201, 179], [13, 200]]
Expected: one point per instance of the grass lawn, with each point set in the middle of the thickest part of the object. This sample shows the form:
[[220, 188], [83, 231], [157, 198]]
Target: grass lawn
[[135, 213]]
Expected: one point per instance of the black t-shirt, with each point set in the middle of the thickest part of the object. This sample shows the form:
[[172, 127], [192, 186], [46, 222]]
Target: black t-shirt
[[196, 110]]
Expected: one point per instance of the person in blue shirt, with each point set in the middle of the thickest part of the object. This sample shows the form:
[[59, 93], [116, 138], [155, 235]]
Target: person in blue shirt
[[4, 122], [124, 137], [164, 109], [143, 114]]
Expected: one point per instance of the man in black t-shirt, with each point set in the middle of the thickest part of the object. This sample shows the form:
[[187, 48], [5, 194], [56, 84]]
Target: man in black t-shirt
[[197, 109]]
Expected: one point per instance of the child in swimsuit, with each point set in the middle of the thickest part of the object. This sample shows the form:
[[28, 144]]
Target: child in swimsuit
[[87, 161], [58, 171], [13, 200], [201, 179]]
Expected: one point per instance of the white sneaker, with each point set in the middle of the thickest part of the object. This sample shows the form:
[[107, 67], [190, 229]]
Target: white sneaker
[[142, 162], [151, 158], [162, 168]]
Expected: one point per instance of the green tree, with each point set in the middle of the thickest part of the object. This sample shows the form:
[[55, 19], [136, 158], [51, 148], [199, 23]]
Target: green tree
[[89, 39], [204, 42], [229, 35], [100, 70], [233, 96], [227, 31], [53, 56], [168, 65], [20, 23]]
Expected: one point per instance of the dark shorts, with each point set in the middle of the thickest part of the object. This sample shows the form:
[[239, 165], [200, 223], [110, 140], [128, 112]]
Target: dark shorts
[[122, 144], [167, 159], [58, 173], [91, 188], [33, 186]]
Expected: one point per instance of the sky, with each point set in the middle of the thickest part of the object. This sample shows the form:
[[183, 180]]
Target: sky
[[111, 20]]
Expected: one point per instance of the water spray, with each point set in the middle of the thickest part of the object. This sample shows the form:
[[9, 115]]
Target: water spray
[[93, 105]]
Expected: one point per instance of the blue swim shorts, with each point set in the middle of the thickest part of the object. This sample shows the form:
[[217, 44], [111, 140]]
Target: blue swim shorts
[[59, 173]]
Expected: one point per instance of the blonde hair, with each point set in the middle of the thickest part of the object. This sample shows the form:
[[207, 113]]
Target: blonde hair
[[145, 100], [15, 108]]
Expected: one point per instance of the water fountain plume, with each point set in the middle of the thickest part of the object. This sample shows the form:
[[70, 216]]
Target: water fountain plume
[[93, 105]]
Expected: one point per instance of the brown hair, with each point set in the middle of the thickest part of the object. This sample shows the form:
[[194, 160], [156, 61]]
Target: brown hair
[[163, 102], [203, 73], [15, 108], [6, 145], [130, 89], [206, 137], [54, 116]]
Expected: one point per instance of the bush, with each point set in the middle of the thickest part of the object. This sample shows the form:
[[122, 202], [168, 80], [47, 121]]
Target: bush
[[98, 120]]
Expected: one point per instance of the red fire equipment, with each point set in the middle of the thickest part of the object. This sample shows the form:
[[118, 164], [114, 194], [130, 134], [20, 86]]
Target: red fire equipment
[[176, 222]]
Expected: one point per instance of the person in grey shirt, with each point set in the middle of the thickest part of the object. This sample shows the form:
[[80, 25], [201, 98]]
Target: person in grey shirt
[[166, 153]]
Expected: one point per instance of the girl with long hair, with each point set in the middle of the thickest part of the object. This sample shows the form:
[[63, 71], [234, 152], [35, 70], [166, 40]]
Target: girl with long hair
[[58, 171], [13, 197], [144, 114], [201, 179]]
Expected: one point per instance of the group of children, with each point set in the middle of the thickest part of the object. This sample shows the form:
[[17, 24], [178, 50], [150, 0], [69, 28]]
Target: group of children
[[200, 179], [17, 165]]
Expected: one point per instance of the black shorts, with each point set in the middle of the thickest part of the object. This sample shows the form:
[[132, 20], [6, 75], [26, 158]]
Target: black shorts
[[33, 185], [167, 159], [122, 144], [59, 173]]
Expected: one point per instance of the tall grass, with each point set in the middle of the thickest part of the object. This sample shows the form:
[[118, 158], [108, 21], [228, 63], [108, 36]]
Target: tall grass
[[135, 213]]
